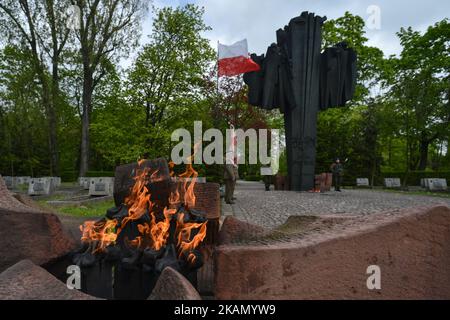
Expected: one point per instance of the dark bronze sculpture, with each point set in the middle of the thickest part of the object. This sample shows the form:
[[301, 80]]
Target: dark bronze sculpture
[[300, 80]]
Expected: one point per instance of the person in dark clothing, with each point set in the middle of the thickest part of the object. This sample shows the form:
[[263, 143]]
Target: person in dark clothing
[[338, 171]]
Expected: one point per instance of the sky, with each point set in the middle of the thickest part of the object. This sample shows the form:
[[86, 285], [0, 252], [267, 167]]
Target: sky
[[257, 20]]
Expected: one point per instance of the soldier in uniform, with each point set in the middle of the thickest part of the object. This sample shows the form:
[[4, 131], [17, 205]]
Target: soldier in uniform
[[230, 176], [338, 170]]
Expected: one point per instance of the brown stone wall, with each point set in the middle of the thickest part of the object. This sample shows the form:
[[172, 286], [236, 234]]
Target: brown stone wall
[[412, 248], [37, 236]]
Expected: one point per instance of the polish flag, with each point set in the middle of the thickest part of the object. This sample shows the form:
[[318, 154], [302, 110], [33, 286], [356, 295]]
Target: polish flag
[[234, 59]]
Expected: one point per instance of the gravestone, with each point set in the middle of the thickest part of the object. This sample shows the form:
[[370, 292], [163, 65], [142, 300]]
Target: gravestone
[[8, 181], [423, 182], [101, 186], [300, 80], [84, 182], [56, 181], [41, 186], [22, 180], [436, 184], [362, 182], [392, 182]]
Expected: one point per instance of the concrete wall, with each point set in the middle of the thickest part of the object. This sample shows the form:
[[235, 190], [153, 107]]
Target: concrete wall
[[412, 248]]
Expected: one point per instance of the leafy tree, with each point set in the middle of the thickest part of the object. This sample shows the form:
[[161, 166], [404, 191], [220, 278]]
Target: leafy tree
[[162, 90], [370, 64], [37, 26], [421, 89], [23, 138], [352, 131], [170, 69], [108, 30]]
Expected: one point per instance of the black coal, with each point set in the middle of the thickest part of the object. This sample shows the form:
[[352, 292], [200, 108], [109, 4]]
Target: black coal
[[122, 270]]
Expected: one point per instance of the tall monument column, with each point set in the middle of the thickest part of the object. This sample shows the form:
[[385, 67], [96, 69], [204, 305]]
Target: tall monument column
[[300, 80], [304, 36]]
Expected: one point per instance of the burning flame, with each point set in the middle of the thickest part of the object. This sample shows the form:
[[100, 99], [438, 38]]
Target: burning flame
[[139, 199], [190, 178], [100, 233], [185, 243], [155, 234]]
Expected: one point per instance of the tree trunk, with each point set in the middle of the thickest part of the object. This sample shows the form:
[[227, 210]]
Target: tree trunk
[[423, 149], [85, 121], [51, 120], [390, 151]]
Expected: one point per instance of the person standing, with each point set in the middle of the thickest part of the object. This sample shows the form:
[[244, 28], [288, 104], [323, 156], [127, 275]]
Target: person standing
[[229, 175], [338, 171]]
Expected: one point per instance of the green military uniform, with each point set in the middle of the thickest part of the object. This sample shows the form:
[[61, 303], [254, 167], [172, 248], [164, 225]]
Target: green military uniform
[[338, 170], [229, 175]]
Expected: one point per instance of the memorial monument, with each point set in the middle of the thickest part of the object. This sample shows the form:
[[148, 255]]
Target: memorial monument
[[300, 80]]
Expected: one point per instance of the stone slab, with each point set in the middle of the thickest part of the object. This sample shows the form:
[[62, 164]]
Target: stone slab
[[84, 182], [171, 285], [362, 182], [101, 186], [435, 184], [411, 247], [392, 182], [27, 281], [41, 186], [29, 234]]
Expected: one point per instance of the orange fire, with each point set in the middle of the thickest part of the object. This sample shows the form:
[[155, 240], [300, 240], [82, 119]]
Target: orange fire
[[100, 233], [154, 234], [185, 244]]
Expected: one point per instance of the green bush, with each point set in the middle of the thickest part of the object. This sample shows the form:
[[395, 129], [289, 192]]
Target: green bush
[[69, 176], [100, 174]]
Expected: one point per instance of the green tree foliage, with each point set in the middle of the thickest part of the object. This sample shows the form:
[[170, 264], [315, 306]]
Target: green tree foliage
[[162, 90], [350, 29], [397, 121], [351, 132], [400, 110], [22, 119], [39, 28], [420, 90]]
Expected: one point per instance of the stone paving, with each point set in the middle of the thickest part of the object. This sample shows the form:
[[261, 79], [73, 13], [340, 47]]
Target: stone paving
[[271, 208]]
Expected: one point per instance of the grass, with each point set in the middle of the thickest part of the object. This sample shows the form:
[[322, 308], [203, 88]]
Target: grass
[[88, 210], [95, 209]]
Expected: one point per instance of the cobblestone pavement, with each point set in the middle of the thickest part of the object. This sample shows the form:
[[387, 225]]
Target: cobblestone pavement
[[271, 208]]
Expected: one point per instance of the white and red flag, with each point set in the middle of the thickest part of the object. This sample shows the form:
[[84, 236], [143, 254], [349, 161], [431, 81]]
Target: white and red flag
[[234, 59]]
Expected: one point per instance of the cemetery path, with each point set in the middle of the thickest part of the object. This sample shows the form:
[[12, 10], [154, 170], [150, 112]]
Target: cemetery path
[[271, 208]]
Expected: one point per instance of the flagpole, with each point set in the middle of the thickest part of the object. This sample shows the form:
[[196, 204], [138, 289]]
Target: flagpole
[[216, 116], [218, 68]]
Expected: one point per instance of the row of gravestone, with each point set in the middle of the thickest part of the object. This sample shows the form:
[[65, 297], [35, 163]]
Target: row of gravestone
[[103, 186], [388, 182], [36, 186], [97, 186], [432, 184]]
